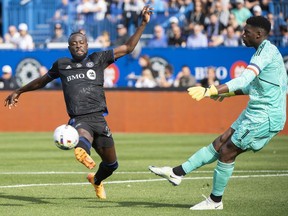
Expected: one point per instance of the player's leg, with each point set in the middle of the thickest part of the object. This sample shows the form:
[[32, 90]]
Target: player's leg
[[247, 136], [106, 150], [203, 156], [82, 150], [222, 174]]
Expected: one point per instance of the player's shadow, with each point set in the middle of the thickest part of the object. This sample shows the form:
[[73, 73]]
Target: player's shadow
[[23, 198], [138, 204], [149, 204]]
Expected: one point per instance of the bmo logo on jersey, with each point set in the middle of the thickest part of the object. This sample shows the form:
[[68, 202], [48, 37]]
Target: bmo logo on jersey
[[91, 74]]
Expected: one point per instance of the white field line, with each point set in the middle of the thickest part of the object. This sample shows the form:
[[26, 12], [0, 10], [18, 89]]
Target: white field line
[[138, 181], [131, 173]]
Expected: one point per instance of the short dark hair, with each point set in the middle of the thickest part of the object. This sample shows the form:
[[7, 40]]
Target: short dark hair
[[74, 33], [260, 22]]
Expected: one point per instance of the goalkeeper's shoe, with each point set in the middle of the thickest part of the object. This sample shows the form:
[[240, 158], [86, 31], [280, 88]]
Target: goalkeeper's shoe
[[167, 173], [99, 189], [83, 157], [208, 204]]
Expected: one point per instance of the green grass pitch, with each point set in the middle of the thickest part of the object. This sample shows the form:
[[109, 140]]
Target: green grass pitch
[[37, 178]]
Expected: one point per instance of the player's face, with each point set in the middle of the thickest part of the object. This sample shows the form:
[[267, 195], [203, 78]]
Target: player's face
[[249, 36], [78, 46]]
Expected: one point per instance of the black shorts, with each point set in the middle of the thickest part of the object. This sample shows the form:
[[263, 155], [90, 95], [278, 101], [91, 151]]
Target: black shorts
[[96, 125]]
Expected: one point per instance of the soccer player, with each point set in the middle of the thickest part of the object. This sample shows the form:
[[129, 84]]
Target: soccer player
[[82, 79], [265, 81]]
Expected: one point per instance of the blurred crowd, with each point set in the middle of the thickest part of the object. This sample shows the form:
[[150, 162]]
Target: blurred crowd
[[183, 23], [151, 76]]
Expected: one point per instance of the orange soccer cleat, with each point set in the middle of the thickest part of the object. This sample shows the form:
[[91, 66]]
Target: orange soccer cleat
[[83, 157], [99, 189]]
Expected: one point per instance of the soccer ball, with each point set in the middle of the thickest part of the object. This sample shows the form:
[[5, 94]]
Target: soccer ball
[[66, 137]]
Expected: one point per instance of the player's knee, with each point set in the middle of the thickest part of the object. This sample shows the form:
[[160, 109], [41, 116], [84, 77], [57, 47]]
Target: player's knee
[[227, 153]]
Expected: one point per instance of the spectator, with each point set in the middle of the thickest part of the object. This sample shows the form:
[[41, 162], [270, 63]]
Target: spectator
[[25, 40], [159, 39], [173, 21], [172, 7], [144, 62], [122, 35], [99, 9], [88, 36], [177, 39], [58, 36], [7, 81], [197, 38], [61, 14], [230, 38], [214, 29], [184, 78], [241, 12], [233, 22], [84, 13], [210, 79], [198, 16], [222, 11], [251, 3], [284, 34], [257, 11], [158, 5], [267, 6], [276, 22], [168, 78], [146, 80], [103, 40], [115, 11], [12, 35], [131, 11]]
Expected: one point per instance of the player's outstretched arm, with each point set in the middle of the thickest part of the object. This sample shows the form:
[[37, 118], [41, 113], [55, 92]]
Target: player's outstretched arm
[[130, 45], [38, 83]]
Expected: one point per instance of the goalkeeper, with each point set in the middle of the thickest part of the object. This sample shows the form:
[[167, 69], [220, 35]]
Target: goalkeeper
[[265, 81]]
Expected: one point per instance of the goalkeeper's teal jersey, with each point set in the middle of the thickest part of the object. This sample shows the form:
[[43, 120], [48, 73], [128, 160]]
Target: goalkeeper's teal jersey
[[267, 91]]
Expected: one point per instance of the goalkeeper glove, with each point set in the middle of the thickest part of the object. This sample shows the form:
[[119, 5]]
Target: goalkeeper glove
[[198, 93], [221, 97]]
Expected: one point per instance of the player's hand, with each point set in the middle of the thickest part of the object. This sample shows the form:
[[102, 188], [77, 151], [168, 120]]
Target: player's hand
[[198, 93], [221, 97], [146, 13], [11, 100]]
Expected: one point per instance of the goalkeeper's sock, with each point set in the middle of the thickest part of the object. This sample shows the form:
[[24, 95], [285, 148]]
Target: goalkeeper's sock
[[105, 170], [222, 174], [205, 155]]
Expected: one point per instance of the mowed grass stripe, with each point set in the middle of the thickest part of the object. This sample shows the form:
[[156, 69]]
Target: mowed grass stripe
[[139, 181]]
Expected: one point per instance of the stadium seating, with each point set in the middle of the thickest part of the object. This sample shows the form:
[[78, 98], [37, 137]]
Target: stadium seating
[[38, 16]]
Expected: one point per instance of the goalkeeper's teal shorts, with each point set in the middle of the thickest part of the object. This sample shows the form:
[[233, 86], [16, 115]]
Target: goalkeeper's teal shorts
[[251, 135]]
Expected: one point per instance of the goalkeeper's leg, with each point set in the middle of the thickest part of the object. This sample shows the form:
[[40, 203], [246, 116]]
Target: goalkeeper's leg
[[203, 156]]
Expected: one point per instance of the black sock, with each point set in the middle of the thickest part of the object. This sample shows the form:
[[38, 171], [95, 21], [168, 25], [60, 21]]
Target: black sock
[[215, 198], [84, 144], [104, 171], [179, 171]]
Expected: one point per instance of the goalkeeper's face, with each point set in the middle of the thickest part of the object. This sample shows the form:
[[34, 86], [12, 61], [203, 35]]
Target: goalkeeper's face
[[249, 36], [78, 46]]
